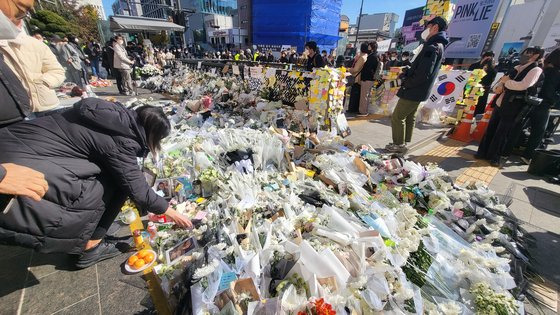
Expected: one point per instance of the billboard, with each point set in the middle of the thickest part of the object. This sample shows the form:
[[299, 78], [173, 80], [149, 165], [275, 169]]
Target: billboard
[[469, 27], [413, 16]]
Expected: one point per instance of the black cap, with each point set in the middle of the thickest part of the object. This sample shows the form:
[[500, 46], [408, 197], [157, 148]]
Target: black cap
[[439, 21]]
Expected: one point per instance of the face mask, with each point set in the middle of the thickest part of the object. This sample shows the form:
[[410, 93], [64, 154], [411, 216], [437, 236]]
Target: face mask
[[393, 58], [120, 42], [524, 59], [405, 58], [425, 34], [7, 29]]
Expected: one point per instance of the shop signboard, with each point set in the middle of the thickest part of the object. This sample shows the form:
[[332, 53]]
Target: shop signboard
[[469, 27]]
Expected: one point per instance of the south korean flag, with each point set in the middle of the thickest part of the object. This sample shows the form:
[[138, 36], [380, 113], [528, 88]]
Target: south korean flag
[[447, 90]]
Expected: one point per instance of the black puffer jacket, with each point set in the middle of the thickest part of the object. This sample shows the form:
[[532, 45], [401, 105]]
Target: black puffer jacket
[[419, 78], [89, 157]]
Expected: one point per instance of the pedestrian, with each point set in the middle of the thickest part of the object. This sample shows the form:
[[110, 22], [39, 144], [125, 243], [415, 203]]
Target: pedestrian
[[550, 94], [370, 72], [356, 72], [393, 61], [269, 56], [36, 67], [314, 59], [283, 58], [248, 54], [72, 63], [405, 62], [91, 174], [107, 56], [16, 181], [293, 59], [38, 36], [417, 82], [325, 57], [123, 65], [93, 53], [499, 139], [75, 44], [487, 64]]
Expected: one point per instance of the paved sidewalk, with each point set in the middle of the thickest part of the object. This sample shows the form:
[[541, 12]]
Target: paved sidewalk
[[34, 283]]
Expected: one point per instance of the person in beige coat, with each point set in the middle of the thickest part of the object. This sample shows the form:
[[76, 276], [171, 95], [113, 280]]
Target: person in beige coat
[[123, 64], [356, 72], [37, 67]]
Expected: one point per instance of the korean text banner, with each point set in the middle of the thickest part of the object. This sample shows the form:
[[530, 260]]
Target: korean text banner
[[469, 27]]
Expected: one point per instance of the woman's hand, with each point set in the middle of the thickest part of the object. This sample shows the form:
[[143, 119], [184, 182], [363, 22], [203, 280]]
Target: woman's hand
[[499, 89], [504, 79], [179, 219]]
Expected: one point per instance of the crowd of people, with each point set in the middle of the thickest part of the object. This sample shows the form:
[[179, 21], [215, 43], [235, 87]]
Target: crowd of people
[[64, 174]]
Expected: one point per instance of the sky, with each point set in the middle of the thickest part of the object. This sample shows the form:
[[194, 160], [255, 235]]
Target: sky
[[351, 8], [107, 5]]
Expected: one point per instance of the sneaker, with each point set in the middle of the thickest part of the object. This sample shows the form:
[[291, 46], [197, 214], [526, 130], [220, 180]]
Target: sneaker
[[499, 162], [102, 251], [361, 115], [391, 147], [396, 148], [526, 160]]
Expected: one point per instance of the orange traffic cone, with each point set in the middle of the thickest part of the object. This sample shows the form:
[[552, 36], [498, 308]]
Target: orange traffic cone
[[480, 129], [462, 132]]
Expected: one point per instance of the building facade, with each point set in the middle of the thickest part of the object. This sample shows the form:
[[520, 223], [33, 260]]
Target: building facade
[[382, 22], [158, 9], [97, 4], [127, 7], [244, 21]]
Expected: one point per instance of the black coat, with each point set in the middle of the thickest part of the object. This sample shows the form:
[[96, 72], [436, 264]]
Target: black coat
[[89, 157], [419, 78]]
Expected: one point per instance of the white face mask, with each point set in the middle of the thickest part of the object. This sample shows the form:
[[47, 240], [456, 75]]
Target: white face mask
[[120, 42], [425, 34], [8, 30], [393, 58]]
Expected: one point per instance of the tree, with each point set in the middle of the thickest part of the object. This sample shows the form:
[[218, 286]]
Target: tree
[[65, 19], [161, 39], [50, 23]]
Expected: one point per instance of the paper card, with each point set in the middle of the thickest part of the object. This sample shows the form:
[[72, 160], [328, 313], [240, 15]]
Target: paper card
[[225, 69], [213, 70], [235, 69], [199, 65], [245, 286], [298, 151], [200, 215], [226, 280], [329, 282], [270, 72], [175, 253]]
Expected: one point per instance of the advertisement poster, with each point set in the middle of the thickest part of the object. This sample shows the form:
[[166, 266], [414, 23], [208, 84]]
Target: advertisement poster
[[470, 27], [411, 28], [511, 48]]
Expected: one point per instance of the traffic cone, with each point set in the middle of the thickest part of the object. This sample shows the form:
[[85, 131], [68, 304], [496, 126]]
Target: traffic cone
[[462, 132], [480, 129]]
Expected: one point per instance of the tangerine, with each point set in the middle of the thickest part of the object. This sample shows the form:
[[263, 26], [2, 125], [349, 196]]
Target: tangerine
[[141, 254], [139, 264], [132, 260], [149, 258]]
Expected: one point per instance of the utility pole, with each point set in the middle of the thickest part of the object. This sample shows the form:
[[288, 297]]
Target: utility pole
[[358, 28]]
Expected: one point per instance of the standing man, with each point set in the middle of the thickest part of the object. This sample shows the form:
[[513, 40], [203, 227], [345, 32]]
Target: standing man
[[314, 59], [123, 65], [417, 83]]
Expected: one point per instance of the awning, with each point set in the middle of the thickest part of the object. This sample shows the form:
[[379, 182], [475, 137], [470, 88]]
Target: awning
[[131, 24]]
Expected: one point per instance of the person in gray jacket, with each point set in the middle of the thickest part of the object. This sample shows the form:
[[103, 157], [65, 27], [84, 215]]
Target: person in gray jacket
[[123, 64]]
